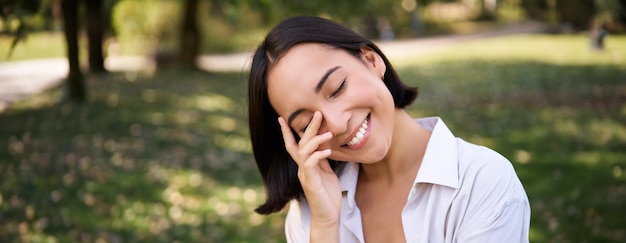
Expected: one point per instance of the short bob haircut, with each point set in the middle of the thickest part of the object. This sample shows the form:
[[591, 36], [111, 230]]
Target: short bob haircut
[[278, 170]]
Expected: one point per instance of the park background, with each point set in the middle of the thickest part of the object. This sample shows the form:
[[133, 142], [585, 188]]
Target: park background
[[142, 141]]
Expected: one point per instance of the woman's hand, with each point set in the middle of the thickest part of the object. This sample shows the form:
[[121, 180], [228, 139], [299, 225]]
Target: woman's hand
[[319, 181]]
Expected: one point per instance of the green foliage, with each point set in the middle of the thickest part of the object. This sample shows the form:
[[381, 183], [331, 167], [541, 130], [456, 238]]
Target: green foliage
[[166, 158], [241, 30], [149, 26], [582, 14], [609, 11], [143, 26]]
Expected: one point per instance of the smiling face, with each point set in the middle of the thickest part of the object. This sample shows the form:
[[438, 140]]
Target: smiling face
[[356, 106]]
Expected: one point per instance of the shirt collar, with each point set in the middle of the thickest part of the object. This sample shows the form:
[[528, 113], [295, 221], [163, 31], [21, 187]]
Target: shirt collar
[[439, 165], [440, 162]]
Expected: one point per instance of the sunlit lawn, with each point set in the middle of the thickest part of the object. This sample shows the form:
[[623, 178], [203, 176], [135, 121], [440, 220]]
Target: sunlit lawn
[[36, 45], [165, 158]]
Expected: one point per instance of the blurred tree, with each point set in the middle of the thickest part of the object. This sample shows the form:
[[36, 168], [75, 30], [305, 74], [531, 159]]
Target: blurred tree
[[486, 9], [75, 81], [95, 31], [343, 11], [579, 14], [622, 13], [23, 11], [189, 35], [609, 13], [553, 15]]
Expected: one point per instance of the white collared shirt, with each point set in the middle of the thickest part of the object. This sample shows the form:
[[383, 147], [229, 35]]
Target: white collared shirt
[[462, 193]]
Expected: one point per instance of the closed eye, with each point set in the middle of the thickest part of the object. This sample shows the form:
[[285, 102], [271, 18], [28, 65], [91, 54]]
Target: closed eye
[[338, 91], [305, 127]]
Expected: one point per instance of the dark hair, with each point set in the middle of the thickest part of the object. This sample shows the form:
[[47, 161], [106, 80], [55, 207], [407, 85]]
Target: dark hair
[[277, 168]]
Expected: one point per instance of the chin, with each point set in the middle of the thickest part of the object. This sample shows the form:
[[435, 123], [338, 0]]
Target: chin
[[370, 157], [370, 154]]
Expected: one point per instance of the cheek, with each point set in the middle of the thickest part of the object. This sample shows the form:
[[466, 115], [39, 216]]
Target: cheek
[[375, 89], [369, 93]]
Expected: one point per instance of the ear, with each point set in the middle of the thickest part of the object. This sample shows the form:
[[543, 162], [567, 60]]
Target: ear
[[373, 61]]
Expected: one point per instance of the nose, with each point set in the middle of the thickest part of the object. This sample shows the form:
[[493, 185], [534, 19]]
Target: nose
[[335, 120]]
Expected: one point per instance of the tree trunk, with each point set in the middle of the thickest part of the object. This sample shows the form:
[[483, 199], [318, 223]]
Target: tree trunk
[[95, 30], [553, 13], [75, 83], [190, 36], [485, 11]]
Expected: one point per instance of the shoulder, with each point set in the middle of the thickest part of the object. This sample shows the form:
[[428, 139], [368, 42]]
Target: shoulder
[[488, 181], [490, 199], [479, 162]]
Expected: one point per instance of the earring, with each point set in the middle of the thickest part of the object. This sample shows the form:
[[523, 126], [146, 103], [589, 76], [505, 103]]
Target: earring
[[382, 74]]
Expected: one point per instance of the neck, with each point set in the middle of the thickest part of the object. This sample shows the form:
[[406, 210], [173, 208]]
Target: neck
[[405, 154]]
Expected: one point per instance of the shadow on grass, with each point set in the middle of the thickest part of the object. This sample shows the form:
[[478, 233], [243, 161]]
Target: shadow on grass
[[152, 159], [562, 127]]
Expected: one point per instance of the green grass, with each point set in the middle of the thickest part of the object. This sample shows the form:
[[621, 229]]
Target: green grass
[[36, 45], [166, 157], [151, 159]]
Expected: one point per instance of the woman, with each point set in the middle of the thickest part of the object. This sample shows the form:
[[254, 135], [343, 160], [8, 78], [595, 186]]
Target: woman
[[331, 138]]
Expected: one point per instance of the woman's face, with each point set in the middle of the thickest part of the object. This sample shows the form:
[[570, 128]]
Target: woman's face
[[356, 106]]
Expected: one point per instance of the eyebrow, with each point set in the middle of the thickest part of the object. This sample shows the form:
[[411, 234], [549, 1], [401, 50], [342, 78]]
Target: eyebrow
[[322, 81], [318, 88], [293, 116]]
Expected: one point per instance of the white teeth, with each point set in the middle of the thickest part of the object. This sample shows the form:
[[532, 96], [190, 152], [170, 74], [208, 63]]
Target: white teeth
[[359, 135]]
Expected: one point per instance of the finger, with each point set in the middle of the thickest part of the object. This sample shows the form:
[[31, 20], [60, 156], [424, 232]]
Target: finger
[[290, 141], [313, 127], [314, 143], [310, 170], [313, 161]]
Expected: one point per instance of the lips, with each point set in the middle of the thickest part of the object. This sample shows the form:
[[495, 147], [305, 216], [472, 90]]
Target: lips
[[361, 136]]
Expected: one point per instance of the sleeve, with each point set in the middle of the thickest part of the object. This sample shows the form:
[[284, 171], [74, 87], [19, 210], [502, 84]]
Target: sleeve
[[498, 208], [297, 222]]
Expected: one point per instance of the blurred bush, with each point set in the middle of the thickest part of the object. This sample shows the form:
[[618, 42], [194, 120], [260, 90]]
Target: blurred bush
[[149, 26], [143, 26]]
